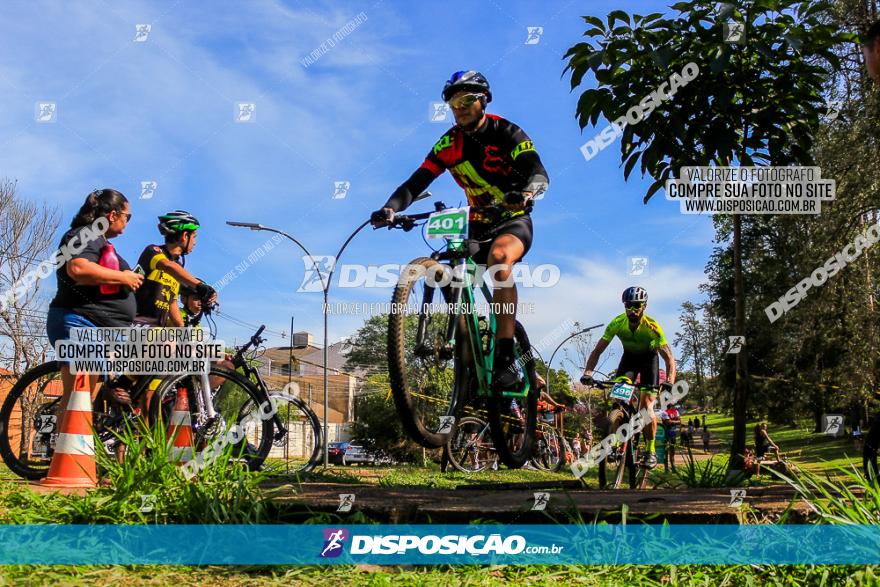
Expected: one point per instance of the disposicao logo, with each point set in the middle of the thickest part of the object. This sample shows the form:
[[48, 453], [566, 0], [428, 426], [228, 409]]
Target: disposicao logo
[[333, 542]]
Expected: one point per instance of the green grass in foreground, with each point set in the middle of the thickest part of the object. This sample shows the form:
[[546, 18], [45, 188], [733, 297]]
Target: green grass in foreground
[[133, 576]]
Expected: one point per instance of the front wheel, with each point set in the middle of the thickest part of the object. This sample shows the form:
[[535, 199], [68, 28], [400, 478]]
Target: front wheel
[[297, 447], [513, 422], [248, 431], [427, 373]]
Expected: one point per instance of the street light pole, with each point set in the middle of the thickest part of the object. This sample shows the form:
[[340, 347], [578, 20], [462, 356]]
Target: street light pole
[[553, 354], [325, 286]]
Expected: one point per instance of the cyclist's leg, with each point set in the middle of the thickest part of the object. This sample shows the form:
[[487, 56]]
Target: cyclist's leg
[[649, 374], [509, 247]]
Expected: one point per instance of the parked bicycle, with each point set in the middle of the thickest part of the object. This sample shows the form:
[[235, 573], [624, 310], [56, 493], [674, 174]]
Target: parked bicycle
[[297, 433], [218, 399], [441, 349], [469, 448], [550, 444]]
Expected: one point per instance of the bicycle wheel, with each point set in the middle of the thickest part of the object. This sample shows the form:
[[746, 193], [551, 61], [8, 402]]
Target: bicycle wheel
[[296, 448], [513, 436], [29, 421], [427, 374], [470, 448], [549, 453], [230, 393], [620, 458]]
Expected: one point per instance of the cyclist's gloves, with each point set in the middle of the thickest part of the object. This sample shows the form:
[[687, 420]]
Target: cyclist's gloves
[[587, 380], [204, 291], [382, 217]]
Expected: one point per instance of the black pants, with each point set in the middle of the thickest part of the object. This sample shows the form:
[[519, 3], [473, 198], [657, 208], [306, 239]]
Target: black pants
[[645, 366]]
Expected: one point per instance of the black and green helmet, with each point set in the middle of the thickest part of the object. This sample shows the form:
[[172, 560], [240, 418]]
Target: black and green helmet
[[176, 222]]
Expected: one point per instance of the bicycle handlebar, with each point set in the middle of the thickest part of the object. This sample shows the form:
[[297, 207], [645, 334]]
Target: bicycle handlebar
[[407, 221], [605, 384], [255, 341]]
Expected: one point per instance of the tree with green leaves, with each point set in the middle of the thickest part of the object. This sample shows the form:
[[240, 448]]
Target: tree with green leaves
[[755, 102]]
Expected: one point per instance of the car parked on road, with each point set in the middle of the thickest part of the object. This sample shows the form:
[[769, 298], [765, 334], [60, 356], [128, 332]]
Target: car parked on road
[[358, 454], [336, 452]]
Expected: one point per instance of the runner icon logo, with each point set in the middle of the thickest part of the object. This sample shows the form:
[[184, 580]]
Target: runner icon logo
[[333, 542]]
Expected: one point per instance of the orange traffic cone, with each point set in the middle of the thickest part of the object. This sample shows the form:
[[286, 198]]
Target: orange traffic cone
[[180, 430], [73, 464]]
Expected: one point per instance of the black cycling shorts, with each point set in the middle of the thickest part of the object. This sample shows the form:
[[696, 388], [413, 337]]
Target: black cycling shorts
[[645, 366], [520, 227]]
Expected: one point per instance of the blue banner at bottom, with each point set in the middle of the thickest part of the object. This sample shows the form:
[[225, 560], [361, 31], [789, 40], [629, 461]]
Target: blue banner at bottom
[[440, 544]]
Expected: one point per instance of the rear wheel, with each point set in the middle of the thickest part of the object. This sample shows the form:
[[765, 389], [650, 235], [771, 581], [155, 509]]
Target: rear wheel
[[427, 373], [29, 421], [513, 425]]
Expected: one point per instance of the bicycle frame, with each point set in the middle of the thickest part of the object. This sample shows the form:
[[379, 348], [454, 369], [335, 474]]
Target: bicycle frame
[[248, 371], [463, 296]]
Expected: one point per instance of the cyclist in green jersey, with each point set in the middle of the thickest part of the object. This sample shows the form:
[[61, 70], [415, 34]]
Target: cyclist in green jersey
[[643, 343]]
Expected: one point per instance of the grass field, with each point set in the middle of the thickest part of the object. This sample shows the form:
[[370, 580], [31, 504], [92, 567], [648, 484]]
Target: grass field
[[809, 451], [817, 453]]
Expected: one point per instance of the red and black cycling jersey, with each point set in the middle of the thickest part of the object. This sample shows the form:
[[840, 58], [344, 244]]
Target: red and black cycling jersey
[[497, 158]]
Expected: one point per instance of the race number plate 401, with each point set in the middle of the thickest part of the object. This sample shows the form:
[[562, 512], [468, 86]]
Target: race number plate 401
[[449, 223]]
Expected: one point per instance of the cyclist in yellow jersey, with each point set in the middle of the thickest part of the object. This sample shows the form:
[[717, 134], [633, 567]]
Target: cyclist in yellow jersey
[[643, 343], [163, 265]]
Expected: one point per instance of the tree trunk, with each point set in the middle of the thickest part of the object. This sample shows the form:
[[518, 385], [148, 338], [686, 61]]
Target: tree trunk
[[741, 388]]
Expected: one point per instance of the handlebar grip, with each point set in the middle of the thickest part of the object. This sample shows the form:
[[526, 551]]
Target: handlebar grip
[[260, 331]]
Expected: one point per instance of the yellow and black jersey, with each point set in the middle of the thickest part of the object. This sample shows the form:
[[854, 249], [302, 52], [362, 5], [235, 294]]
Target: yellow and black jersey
[[159, 289]]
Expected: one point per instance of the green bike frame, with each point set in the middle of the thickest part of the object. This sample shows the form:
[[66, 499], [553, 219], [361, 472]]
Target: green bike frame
[[463, 297]]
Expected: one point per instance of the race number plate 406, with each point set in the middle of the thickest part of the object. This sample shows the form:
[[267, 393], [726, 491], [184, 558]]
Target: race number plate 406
[[449, 223]]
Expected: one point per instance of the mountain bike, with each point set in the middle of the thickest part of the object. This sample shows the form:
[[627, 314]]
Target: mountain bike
[[29, 416], [297, 433], [441, 349], [550, 445], [470, 447], [624, 396]]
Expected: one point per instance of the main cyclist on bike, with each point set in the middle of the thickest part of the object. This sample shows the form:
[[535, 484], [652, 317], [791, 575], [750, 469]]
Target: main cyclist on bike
[[495, 162], [643, 341]]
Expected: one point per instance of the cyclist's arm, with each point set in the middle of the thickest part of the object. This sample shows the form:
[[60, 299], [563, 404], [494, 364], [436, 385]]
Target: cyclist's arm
[[666, 352], [527, 163], [174, 316], [177, 271], [594, 356], [417, 183]]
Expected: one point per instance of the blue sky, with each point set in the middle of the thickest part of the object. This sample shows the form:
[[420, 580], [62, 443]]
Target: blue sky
[[163, 110]]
